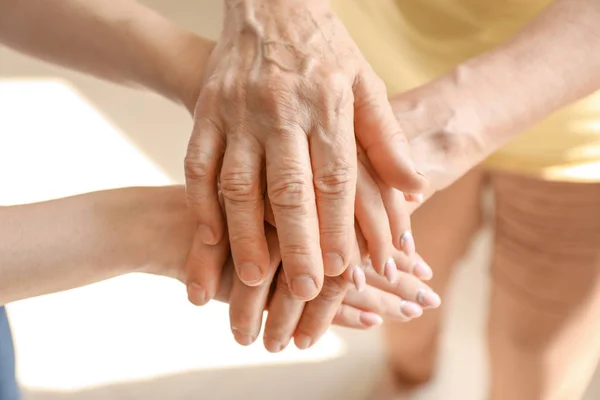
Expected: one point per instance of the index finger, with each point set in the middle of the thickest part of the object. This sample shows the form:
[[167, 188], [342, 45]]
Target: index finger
[[380, 135]]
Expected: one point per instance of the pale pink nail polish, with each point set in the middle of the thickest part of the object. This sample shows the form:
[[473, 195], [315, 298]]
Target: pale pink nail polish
[[428, 298], [390, 270], [418, 198], [370, 319], [410, 309], [359, 278], [422, 271], [407, 243]]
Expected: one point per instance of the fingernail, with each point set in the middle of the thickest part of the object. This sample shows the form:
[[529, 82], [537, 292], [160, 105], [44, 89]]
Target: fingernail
[[407, 243], [273, 346], [303, 342], [390, 270], [428, 298], [370, 319], [418, 198], [197, 294], [359, 278], [206, 235], [333, 262], [367, 264], [304, 287], [242, 338], [410, 309], [422, 271], [249, 273]]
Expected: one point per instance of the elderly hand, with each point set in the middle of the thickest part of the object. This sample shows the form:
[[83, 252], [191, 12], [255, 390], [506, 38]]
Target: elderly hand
[[285, 92]]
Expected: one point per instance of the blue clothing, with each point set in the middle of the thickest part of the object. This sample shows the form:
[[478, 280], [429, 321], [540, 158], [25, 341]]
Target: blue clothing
[[9, 389]]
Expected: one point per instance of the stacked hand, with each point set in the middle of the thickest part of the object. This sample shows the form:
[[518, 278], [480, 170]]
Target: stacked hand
[[287, 104]]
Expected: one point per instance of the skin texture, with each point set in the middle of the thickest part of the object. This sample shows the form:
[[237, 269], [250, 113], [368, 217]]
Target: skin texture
[[286, 91], [452, 123], [129, 44], [87, 238]]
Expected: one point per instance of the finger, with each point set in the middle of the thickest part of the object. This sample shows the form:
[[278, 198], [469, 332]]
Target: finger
[[418, 268], [319, 313], [203, 270], [269, 217], [408, 287], [396, 210], [247, 303], [381, 137], [403, 263], [291, 194], [203, 159], [415, 198], [350, 317], [243, 197], [372, 218], [284, 313], [334, 165], [384, 304]]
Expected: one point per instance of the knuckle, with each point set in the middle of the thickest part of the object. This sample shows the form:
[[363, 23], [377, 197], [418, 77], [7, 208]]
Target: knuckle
[[274, 96], [289, 190], [337, 180], [197, 165], [239, 185], [334, 93], [296, 251]]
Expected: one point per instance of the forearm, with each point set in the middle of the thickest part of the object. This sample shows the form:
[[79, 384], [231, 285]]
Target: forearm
[[461, 118], [122, 41], [67, 243]]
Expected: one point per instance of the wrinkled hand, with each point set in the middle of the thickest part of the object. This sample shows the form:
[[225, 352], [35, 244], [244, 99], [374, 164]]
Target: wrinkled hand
[[286, 91]]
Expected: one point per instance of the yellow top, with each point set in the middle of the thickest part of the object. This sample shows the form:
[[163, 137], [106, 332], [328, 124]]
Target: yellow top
[[410, 42]]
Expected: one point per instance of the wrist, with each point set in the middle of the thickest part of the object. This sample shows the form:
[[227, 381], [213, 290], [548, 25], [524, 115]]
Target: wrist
[[156, 226], [443, 129], [184, 69]]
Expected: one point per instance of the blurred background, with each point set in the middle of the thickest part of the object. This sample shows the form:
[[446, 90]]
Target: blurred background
[[136, 337]]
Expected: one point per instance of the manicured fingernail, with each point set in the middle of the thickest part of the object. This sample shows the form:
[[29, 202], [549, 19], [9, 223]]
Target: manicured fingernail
[[428, 298], [407, 243], [197, 294], [359, 278], [249, 273], [333, 262], [242, 338], [206, 235], [304, 287], [367, 264], [303, 342], [273, 346], [422, 271], [390, 270], [418, 198], [370, 319], [410, 309]]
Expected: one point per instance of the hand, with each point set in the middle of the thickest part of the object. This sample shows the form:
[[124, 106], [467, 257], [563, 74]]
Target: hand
[[167, 227], [338, 303], [285, 91]]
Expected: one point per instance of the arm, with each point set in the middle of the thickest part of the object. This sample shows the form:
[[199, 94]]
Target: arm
[[66, 243], [458, 120], [121, 41]]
